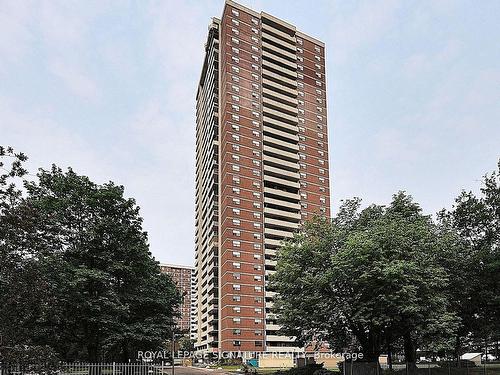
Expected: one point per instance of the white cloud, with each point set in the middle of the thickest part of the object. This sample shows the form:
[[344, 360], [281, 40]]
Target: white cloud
[[75, 80], [15, 33], [366, 23]]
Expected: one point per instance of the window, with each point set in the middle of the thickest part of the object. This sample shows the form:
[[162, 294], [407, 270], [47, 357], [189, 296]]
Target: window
[[236, 221], [236, 265], [235, 12], [236, 287], [258, 332], [236, 298], [235, 59], [256, 143], [256, 246], [237, 309], [257, 267], [236, 180], [236, 32], [236, 343], [258, 343], [255, 173], [236, 276], [236, 211], [236, 232], [237, 332], [255, 40], [236, 157], [317, 58], [235, 69], [236, 243], [299, 41], [256, 162], [236, 79], [258, 310], [236, 168], [235, 107], [236, 191], [235, 98], [236, 147], [317, 49], [235, 41], [258, 320], [257, 256], [237, 320], [255, 21], [236, 88], [236, 22], [258, 299], [236, 254], [235, 50], [235, 117], [236, 200], [254, 30], [257, 288], [255, 183], [255, 48], [256, 225], [257, 278], [236, 137], [256, 205]]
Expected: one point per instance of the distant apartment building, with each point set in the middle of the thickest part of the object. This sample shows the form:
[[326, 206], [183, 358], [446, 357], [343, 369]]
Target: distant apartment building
[[183, 277], [261, 170]]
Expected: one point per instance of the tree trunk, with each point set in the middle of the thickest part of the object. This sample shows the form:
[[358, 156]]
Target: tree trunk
[[388, 339], [410, 352]]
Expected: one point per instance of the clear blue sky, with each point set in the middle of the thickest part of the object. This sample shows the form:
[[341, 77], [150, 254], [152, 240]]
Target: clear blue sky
[[108, 87]]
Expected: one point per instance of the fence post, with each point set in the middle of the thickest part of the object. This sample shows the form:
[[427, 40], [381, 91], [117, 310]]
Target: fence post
[[114, 369]]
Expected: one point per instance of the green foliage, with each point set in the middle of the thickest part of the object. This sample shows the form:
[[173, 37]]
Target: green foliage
[[77, 274], [368, 277], [473, 262]]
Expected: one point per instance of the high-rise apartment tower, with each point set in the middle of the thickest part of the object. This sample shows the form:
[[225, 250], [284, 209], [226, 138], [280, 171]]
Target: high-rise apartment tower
[[184, 279], [261, 169]]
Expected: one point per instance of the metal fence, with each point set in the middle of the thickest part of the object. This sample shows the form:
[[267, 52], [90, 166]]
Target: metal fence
[[114, 368]]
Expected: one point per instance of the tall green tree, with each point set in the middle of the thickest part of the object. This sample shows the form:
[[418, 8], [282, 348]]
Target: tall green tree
[[474, 262], [369, 277], [96, 291]]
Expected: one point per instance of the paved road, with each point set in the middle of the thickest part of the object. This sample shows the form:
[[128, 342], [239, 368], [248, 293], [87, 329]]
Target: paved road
[[192, 371]]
